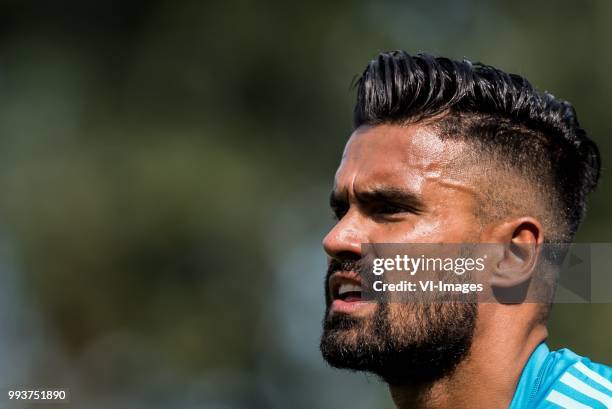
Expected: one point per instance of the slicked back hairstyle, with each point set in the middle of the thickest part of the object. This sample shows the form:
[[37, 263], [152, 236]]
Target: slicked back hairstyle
[[501, 113]]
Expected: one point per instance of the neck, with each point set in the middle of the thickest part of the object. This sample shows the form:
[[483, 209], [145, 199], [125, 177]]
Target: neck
[[488, 376]]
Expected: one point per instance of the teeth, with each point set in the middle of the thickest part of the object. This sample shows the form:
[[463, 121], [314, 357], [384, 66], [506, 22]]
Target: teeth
[[347, 288]]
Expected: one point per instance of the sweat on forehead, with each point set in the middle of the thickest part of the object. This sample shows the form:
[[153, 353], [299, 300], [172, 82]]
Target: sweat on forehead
[[402, 156]]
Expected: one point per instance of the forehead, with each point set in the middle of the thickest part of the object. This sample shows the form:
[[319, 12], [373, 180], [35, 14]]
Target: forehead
[[393, 155]]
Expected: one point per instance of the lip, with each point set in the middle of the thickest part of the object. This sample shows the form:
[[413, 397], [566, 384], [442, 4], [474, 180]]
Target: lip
[[335, 281], [339, 306], [342, 277]]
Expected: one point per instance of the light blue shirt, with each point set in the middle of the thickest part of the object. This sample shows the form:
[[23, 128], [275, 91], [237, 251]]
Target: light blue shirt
[[562, 379]]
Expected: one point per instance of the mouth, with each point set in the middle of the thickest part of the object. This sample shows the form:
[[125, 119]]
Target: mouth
[[346, 292]]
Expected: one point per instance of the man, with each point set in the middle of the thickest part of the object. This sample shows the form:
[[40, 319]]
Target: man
[[447, 151]]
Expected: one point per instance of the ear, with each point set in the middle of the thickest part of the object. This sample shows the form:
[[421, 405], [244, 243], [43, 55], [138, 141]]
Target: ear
[[521, 240]]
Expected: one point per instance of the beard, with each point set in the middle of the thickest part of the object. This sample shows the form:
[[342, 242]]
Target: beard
[[402, 343]]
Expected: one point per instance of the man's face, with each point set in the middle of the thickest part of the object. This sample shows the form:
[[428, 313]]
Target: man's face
[[397, 185]]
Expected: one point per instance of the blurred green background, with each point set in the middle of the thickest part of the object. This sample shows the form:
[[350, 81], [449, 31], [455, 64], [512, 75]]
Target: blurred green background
[[165, 168]]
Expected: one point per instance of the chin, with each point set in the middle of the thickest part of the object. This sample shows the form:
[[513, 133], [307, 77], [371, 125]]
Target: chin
[[402, 345]]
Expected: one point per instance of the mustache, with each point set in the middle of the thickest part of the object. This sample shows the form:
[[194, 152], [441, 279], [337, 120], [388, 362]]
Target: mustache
[[357, 265]]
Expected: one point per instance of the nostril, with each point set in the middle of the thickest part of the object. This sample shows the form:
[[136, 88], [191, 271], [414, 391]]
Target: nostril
[[348, 255]]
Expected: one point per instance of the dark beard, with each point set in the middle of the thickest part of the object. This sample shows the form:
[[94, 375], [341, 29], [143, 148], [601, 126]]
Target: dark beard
[[403, 343]]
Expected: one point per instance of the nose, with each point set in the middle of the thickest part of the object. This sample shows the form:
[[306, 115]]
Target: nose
[[344, 240]]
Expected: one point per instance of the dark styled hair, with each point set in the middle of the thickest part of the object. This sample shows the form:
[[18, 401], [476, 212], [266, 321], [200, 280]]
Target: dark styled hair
[[502, 113]]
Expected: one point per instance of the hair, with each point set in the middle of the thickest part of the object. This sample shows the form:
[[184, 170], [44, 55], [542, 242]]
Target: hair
[[500, 114]]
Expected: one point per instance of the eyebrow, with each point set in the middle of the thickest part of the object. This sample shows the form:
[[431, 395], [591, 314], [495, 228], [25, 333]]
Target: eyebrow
[[337, 199], [382, 194]]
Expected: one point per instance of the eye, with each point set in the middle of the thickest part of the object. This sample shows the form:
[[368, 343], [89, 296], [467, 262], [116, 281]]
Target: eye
[[388, 209], [389, 212]]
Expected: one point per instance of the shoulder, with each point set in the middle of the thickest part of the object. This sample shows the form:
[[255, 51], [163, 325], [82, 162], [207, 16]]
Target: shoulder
[[563, 379], [568, 380]]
